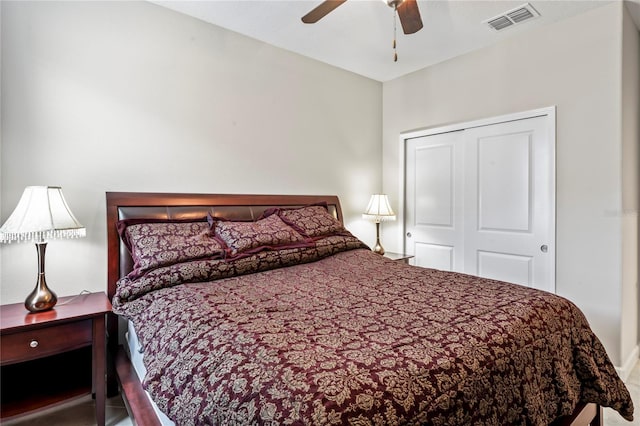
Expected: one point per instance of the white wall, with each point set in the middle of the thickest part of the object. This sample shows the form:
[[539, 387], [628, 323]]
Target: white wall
[[576, 65], [630, 174], [0, 125], [130, 96]]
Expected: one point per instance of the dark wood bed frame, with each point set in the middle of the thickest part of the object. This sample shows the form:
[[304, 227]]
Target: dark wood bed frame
[[127, 205]]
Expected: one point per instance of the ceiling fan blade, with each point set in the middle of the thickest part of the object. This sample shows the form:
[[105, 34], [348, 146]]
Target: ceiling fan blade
[[321, 10], [409, 16]]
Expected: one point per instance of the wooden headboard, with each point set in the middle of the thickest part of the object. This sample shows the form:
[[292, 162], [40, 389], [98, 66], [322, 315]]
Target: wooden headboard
[[132, 205]]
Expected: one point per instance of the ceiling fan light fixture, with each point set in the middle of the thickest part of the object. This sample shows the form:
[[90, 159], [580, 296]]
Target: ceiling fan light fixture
[[393, 3]]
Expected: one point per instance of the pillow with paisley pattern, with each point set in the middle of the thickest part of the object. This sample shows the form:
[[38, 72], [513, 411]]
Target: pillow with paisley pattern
[[251, 237], [156, 243], [313, 221]]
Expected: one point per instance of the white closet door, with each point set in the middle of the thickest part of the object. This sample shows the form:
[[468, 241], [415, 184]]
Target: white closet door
[[509, 232], [434, 217], [482, 201]]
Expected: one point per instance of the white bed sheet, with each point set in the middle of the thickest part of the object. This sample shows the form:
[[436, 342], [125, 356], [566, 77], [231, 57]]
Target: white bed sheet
[[134, 351]]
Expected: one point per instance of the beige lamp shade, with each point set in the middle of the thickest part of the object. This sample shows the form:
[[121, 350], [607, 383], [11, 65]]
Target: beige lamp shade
[[379, 209], [41, 214]]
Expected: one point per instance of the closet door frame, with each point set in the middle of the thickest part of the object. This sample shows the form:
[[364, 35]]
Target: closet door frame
[[548, 112]]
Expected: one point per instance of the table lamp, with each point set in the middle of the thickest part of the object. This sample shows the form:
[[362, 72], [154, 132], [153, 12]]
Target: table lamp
[[378, 211], [41, 214]]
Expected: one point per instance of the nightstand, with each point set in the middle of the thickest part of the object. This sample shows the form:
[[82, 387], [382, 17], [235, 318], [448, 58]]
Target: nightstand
[[45, 356], [400, 257]]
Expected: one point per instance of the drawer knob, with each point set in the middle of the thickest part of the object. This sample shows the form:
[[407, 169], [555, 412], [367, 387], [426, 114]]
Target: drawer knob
[[33, 344]]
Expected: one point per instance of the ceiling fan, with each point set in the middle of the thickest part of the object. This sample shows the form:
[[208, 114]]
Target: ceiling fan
[[407, 10]]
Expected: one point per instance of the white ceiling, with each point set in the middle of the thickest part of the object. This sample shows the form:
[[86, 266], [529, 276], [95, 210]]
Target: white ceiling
[[358, 35]]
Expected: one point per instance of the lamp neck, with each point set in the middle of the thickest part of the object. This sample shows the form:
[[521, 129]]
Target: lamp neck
[[378, 247], [41, 248]]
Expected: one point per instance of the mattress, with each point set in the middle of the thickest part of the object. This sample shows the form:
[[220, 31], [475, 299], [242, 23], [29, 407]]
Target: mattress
[[136, 355]]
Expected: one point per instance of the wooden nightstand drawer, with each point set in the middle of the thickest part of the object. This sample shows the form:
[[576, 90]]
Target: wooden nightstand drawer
[[40, 342]]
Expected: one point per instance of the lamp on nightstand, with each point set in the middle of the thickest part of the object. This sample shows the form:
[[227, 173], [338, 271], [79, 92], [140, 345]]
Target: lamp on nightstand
[[41, 214], [378, 211]]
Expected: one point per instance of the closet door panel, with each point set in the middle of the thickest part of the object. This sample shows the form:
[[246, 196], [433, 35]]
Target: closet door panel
[[433, 204], [508, 204]]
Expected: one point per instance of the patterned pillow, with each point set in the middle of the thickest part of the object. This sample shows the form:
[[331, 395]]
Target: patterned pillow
[[161, 243], [313, 221], [263, 234]]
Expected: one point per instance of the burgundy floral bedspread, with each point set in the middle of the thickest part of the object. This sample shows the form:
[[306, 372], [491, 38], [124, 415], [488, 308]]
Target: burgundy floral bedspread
[[356, 339]]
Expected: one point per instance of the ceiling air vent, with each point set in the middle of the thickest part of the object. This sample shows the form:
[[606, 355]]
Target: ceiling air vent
[[512, 17]]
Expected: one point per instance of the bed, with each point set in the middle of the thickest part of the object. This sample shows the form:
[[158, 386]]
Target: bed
[[264, 309]]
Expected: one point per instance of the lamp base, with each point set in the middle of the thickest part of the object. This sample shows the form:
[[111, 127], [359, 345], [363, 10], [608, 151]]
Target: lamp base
[[41, 298], [378, 247]]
